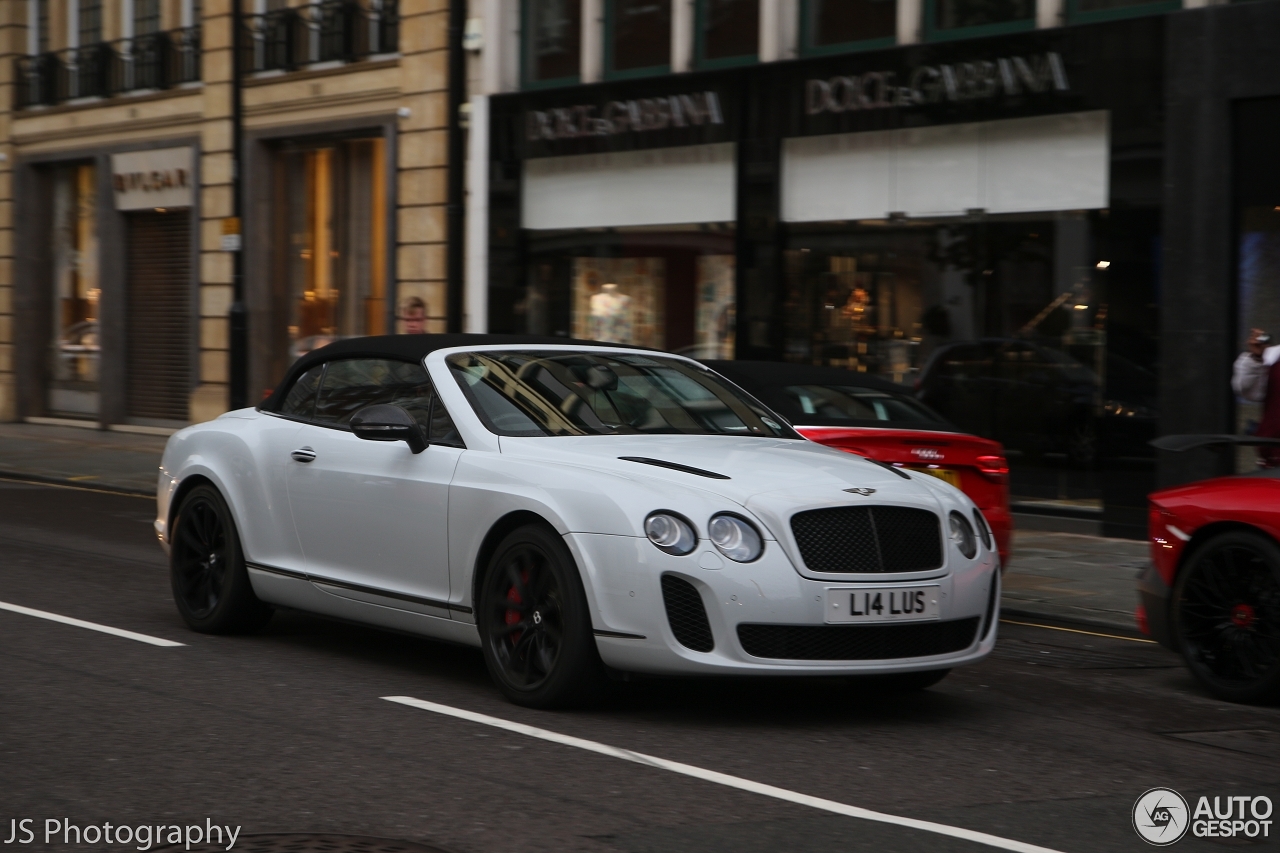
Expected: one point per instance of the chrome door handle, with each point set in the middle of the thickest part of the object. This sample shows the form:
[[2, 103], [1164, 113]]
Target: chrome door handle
[[303, 454]]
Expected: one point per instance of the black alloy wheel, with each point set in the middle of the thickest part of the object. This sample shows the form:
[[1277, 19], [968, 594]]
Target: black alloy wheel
[[1226, 612], [534, 622], [206, 567]]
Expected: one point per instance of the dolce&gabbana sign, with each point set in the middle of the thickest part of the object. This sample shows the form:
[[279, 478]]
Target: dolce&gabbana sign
[[932, 84], [615, 117]]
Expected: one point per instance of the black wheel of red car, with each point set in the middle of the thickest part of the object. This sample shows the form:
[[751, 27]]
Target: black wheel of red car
[[206, 567], [534, 622], [1226, 612]]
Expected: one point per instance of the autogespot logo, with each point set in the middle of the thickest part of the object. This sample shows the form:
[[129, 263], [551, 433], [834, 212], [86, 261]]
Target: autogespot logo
[[1160, 816]]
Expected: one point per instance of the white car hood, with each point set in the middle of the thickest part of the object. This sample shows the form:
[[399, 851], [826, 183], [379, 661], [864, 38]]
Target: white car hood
[[755, 467]]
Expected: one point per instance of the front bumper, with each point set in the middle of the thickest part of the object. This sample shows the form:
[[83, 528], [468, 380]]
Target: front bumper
[[624, 579]]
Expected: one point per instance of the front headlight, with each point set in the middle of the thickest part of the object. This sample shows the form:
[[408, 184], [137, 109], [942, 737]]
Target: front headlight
[[670, 533], [735, 537], [962, 536]]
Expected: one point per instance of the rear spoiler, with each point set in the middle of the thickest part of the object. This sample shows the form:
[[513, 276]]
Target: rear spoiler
[[1180, 443]]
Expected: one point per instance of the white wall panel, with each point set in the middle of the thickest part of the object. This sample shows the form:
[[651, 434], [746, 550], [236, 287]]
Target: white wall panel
[[938, 170], [1058, 162], [662, 186], [841, 176]]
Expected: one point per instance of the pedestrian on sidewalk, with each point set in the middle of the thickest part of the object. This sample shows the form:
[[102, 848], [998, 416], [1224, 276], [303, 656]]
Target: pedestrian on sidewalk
[[1256, 378]]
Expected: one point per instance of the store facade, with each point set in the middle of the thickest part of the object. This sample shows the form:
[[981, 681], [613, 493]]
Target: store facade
[[109, 290], [978, 220]]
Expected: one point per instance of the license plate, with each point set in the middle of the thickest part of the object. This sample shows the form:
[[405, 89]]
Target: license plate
[[882, 604], [946, 475]]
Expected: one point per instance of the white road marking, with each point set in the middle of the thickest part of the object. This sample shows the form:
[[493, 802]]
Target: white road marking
[[723, 778], [92, 626]]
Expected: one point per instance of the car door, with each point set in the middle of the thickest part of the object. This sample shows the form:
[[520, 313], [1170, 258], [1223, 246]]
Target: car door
[[372, 516]]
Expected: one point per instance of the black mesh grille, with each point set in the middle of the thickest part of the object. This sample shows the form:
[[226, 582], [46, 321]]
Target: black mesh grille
[[686, 614], [857, 642], [868, 539]]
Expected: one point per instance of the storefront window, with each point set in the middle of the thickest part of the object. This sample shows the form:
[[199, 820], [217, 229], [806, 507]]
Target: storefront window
[[728, 32], [670, 288], [332, 275], [834, 25], [90, 22], [1038, 331], [553, 39], [73, 389], [962, 18], [1084, 11], [638, 37]]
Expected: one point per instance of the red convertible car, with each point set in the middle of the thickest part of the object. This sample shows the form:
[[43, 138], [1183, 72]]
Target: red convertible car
[[879, 419], [1212, 593]]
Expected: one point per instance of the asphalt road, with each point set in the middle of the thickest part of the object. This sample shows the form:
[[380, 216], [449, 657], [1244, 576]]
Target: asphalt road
[[1049, 742]]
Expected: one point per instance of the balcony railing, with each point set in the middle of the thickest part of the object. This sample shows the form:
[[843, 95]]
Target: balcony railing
[[332, 31], [151, 62]]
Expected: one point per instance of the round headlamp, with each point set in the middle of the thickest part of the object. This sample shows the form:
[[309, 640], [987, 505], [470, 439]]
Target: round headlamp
[[671, 533], [962, 536], [735, 537]]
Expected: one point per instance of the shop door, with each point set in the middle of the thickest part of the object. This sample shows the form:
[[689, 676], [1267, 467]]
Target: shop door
[[158, 272]]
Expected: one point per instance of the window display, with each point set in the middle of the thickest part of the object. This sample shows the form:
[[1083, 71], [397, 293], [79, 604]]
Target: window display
[[619, 300], [1037, 331], [73, 389], [331, 261]]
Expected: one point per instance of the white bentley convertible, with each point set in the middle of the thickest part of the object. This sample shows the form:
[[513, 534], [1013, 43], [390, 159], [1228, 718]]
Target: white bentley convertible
[[568, 507]]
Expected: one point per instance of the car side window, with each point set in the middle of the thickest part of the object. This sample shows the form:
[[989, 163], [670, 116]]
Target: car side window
[[350, 384], [300, 402]]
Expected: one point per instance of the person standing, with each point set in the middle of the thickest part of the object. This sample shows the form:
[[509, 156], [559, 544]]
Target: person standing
[[1256, 378]]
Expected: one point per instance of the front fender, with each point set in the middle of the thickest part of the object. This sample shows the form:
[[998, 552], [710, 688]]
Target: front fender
[[228, 452], [488, 487]]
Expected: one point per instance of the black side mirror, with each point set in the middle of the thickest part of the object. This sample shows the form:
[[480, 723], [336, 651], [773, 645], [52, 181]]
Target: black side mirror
[[385, 422]]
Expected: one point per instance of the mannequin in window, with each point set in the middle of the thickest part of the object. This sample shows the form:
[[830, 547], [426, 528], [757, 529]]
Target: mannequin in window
[[611, 315]]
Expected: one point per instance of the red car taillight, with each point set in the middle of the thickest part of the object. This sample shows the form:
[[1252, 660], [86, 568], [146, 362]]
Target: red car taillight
[[994, 468]]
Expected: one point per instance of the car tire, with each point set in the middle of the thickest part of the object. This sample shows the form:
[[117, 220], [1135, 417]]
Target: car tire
[[534, 622], [907, 682], [1225, 612], [206, 568]]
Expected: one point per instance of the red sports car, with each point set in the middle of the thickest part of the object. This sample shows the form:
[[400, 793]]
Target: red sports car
[[1212, 593], [879, 419]]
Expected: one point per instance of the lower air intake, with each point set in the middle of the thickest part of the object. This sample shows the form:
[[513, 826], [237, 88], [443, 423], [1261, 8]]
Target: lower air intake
[[857, 642], [686, 614]]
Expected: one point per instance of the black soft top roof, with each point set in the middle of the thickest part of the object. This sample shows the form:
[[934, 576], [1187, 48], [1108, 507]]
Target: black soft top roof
[[412, 348]]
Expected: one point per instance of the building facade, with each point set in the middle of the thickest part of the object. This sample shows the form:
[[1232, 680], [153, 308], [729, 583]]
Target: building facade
[[1051, 220], [116, 238]]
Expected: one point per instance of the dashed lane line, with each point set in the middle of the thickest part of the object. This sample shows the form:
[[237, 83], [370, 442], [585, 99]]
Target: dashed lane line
[[92, 626], [722, 778]]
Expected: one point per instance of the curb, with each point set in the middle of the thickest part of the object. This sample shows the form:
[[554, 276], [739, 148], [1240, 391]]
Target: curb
[[1070, 622], [65, 483]]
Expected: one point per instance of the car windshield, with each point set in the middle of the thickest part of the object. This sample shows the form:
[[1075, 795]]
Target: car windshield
[[521, 393], [837, 405]]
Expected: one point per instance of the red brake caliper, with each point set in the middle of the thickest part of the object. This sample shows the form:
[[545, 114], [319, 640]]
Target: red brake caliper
[[513, 616]]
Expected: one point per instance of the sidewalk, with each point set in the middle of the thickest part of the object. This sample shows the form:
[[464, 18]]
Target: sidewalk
[[1063, 577]]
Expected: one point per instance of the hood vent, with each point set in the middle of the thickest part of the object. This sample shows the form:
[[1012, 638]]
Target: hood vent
[[674, 466]]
